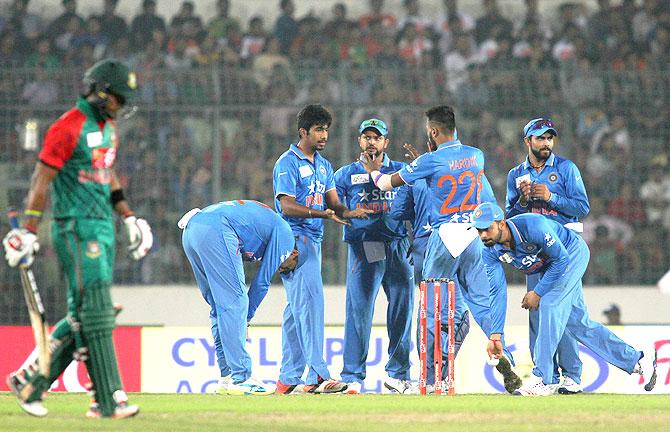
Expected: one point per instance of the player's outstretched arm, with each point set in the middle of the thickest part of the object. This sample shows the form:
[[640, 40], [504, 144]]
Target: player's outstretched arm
[[341, 211]]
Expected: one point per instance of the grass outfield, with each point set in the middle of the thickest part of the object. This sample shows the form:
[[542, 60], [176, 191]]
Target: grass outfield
[[367, 413]]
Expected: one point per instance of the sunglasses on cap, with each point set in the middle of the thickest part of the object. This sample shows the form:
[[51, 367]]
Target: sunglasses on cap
[[538, 125]]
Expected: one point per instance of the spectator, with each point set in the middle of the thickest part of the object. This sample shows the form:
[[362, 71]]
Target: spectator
[[266, 64], [93, 35], [210, 52], [474, 93], [423, 24], [185, 15], [412, 45], [655, 192], [454, 23], [143, 26], [376, 13], [613, 314], [531, 18], [254, 40], [10, 56], [628, 207], [339, 19], [457, 62], [63, 23], [218, 26], [644, 22], [490, 20], [27, 26], [286, 27], [113, 25], [43, 56], [64, 41], [42, 90]]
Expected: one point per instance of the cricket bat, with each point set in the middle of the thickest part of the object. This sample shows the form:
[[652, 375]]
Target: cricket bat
[[35, 308]]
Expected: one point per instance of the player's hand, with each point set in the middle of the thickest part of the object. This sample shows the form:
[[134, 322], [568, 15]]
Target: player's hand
[[370, 163], [525, 189], [330, 214], [20, 244], [410, 152], [531, 301], [540, 191], [139, 236], [494, 349], [359, 213]]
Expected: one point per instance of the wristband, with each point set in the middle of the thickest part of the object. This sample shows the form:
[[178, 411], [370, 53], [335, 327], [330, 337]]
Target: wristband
[[32, 213], [375, 176], [116, 196]]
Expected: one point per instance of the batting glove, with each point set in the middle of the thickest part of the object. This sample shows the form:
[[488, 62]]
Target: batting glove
[[20, 247], [140, 237]]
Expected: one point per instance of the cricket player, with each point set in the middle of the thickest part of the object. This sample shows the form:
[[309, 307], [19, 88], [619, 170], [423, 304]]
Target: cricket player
[[77, 159], [533, 243], [305, 194], [216, 241], [552, 186], [378, 254], [411, 204], [455, 177]]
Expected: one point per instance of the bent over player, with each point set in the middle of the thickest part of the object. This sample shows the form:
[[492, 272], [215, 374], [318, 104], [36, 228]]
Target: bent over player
[[216, 240], [378, 254], [305, 194], [534, 244], [77, 159], [552, 186]]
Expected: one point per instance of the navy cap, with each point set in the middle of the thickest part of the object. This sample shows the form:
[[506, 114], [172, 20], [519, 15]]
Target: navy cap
[[539, 126], [375, 124], [485, 214]]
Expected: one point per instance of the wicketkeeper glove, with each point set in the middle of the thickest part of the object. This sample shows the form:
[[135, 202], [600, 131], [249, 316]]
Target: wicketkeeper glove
[[20, 244], [139, 235]]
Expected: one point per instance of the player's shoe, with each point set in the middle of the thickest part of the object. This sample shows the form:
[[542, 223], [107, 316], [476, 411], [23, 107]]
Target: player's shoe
[[325, 387], [511, 380], [17, 384], [285, 388], [122, 410], [646, 366], [400, 386], [223, 384], [249, 387], [353, 387], [569, 386], [534, 387]]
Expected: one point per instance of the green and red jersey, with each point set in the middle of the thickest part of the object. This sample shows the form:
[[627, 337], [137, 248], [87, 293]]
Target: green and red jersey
[[81, 145]]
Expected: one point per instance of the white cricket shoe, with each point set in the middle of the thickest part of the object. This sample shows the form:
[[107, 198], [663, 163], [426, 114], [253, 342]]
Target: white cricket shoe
[[353, 387], [34, 408], [249, 387], [534, 387], [400, 386], [646, 366], [569, 386], [223, 384]]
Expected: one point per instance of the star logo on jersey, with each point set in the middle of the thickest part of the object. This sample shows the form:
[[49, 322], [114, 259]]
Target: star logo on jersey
[[364, 195], [549, 239], [311, 188], [428, 227]]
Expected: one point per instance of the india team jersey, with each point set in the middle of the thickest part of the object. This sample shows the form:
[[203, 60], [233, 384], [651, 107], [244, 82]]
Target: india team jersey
[[356, 190], [568, 200], [295, 175], [81, 145], [263, 236], [411, 204], [455, 177]]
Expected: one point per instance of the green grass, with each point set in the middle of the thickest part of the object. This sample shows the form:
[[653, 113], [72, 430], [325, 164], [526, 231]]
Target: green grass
[[367, 413]]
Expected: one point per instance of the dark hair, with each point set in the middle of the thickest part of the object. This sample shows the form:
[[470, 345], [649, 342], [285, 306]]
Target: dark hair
[[313, 115], [443, 118]]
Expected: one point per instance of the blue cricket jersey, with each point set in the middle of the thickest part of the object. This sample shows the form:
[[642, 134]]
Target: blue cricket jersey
[[411, 204], [568, 202], [540, 245], [455, 177], [263, 236], [295, 175], [356, 190]]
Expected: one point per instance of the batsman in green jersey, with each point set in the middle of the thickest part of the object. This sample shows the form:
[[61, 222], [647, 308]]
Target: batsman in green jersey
[[77, 159]]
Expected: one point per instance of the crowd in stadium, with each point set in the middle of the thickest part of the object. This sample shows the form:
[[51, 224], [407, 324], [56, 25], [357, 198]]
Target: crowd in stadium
[[601, 75]]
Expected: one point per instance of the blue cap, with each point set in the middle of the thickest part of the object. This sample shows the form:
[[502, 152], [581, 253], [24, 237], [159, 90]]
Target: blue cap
[[375, 124], [485, 214], [538, 126]]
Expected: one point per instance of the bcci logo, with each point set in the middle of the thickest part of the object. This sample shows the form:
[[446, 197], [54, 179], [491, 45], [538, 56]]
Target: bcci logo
[[322, 170], [478, 213], [553, 178]]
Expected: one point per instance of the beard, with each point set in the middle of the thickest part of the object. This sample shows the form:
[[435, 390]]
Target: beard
[[432, 144], [541, 154]]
